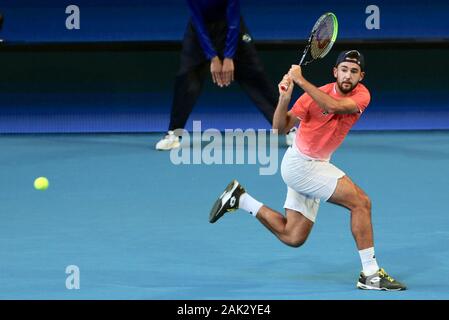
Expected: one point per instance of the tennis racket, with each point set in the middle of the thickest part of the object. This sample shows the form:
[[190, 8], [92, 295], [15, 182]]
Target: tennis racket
[[321, 40]]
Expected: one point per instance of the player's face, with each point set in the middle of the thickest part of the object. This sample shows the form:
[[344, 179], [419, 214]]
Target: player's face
[[348, 75]]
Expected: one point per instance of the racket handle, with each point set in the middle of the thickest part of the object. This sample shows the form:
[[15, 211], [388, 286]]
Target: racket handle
[[284, 87]]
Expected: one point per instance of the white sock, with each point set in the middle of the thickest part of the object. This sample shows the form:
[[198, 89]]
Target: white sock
[[248, 203], [369, 262]]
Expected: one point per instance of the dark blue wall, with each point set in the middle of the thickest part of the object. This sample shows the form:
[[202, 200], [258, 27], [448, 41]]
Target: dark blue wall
[[131, 91], [147, 20], [91, 90]]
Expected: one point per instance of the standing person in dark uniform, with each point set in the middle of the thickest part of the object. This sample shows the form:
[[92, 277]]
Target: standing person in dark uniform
[[217, 40]]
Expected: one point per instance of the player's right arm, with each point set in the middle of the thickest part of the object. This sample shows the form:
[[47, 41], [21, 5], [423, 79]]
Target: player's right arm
[[284, 120]]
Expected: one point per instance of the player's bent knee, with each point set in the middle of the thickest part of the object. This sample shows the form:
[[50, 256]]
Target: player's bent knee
[[297, 242], [361, 201], [365, 201]]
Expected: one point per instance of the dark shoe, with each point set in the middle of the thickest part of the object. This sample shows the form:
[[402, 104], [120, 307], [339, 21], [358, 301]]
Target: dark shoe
[[379, 281], [227, 202]]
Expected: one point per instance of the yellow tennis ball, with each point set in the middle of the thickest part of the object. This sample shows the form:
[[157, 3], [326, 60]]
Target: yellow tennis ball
[[41, 183]]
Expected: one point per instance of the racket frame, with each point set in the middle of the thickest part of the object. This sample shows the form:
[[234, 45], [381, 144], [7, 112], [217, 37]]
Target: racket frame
[[311, 37]]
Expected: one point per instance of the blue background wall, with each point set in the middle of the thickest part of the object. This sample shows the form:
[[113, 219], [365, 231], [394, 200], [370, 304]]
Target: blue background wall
[[129, 89], [146, 20]]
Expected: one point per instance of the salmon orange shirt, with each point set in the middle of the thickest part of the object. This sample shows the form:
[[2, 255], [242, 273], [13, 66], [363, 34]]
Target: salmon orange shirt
[[320, 134]]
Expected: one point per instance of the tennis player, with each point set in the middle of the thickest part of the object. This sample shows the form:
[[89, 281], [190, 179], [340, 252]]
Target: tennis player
[[325, 116]]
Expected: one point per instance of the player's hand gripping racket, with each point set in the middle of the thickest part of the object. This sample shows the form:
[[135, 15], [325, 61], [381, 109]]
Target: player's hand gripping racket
[[321, 40]]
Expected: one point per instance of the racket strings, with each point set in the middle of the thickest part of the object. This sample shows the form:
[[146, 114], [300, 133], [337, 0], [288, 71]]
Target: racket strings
[[322, 38]]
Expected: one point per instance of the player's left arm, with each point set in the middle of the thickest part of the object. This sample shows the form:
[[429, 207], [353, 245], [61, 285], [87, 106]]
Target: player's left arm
[[325, 101]]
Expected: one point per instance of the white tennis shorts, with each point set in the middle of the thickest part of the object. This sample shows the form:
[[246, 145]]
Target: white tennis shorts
[[308, 181]]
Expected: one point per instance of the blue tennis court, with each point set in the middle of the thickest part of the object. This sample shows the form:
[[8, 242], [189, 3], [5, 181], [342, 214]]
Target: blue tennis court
[[87, 91], [137, 226]]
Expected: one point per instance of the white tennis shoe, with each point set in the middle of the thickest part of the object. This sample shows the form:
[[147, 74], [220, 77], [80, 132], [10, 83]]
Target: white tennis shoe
[[170, 141]]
